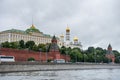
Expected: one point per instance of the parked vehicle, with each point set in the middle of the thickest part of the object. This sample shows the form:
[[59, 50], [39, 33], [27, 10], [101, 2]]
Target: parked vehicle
[[4, 58], [59, 61]]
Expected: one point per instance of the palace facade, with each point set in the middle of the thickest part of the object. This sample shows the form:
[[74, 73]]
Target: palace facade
[[31, 34]]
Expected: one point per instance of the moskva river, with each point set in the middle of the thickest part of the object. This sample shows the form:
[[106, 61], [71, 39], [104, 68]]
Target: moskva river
[[92, 74]]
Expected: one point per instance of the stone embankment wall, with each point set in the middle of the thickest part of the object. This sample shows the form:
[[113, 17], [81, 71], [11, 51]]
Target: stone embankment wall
[[21, 67]]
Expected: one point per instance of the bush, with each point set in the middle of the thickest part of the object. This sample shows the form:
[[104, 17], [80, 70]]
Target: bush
[[31, 59], [49, 60]]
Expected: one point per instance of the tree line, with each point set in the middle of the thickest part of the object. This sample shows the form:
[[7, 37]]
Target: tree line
[[30, 45], [76, 54]]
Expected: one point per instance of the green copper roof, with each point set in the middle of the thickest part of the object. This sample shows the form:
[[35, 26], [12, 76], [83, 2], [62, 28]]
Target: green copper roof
[[32, 29], [15, 31], [27, 32]]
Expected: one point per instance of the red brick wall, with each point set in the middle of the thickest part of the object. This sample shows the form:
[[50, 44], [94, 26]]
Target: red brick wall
[[23, 55]]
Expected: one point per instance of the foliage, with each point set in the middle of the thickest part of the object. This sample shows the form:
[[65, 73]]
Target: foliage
[[31, 59], [6, 44], [76, 54], [49, 60], [30, 44], [21, 44]]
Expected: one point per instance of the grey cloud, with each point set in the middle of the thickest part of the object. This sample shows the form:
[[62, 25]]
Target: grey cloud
[[95, 22]]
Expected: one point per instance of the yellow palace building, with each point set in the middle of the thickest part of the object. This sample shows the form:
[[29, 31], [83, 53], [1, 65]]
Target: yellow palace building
[[31, 34]]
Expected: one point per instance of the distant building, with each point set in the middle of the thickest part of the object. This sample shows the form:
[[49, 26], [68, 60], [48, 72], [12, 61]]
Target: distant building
[[110, 55], [31, 34], [68, 42], [54, 49]]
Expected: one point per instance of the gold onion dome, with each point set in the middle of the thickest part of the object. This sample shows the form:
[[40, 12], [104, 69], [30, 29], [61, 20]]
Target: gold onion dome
[[32, 29], [75, 38], [62, 36], [67, 29]]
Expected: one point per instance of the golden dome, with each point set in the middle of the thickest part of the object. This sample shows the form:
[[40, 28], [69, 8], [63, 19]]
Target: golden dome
[[75, 38], [67, 29], [62, 36], [32, 27]]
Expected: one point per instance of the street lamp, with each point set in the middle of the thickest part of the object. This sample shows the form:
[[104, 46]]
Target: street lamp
[[76, 57], [84, 57], [0, 48], [95, 55], [66, 56], [40, 53], [46, 53]]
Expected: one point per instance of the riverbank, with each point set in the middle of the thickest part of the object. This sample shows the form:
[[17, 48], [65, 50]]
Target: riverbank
[[36, 66]]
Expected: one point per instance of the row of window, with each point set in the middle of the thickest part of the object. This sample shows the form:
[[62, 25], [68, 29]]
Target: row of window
[[18, 37]]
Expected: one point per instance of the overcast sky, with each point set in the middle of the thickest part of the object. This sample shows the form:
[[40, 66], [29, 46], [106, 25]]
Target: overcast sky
[[95, 22]]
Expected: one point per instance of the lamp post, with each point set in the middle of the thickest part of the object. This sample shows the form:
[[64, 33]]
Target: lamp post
[[46, 53], [40, 53], [66, 56], [95, 55], [76, 58], [0, 48], [119, 58], [84, 57]]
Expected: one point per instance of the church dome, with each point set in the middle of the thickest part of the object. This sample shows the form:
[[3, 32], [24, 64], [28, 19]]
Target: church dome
[[75, 38], [62, 36], [32, 29], [68, 29]]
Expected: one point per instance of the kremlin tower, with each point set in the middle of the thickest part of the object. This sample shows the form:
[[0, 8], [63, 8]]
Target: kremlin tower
[[110, 54]]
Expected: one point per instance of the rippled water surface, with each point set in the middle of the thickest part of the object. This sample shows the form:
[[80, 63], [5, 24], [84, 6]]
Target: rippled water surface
[[93, 74]]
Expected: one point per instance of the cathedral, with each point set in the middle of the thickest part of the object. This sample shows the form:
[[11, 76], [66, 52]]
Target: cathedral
[[65, 40]]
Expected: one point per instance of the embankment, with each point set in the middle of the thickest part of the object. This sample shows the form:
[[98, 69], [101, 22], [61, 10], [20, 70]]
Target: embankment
[[33, 66]]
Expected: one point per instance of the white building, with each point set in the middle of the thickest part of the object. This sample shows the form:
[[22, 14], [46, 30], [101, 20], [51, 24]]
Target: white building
[[67, 42], [31, 34]]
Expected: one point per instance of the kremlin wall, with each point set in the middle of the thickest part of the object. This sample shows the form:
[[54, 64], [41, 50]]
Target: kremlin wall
[[23, 55]]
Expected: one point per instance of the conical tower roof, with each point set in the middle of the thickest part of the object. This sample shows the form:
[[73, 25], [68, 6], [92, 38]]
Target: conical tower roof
[[109, 46], [54, 46]]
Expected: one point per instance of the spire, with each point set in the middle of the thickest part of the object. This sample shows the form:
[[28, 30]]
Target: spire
[[33, 27], [67, 29], [109, 47], [54, 46]]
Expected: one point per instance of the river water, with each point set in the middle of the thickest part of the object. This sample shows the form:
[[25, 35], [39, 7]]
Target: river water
[[92, 74]]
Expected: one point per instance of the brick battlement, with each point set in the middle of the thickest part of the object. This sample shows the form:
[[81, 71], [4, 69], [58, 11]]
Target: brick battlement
[[23, 55]]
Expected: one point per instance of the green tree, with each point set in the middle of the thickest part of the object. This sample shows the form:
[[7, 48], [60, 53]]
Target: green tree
[[117, 56], [76, 55], [35, 48], [6, 44], [22, 44], [85, 57], [63, 50], [90, 49], [30, 44], [14, 45], [31, 59], [42, 47]]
